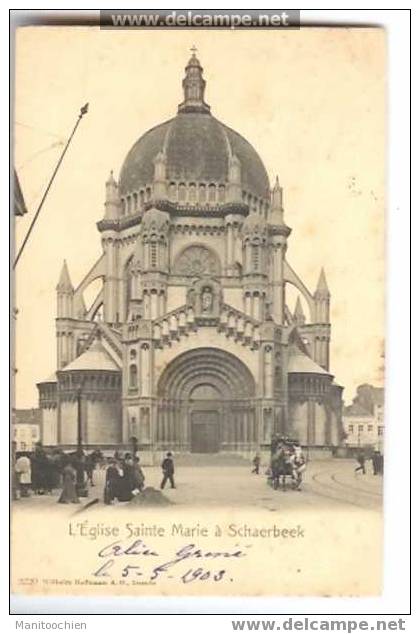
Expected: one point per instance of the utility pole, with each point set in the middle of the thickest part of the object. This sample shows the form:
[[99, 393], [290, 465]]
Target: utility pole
[[80, 481], [83, 111]]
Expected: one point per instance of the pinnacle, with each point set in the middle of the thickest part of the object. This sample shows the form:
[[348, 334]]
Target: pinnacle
[[64, 283], [322, 286]]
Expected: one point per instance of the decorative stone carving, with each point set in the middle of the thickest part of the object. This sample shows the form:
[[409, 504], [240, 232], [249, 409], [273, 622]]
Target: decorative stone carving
[[197, 261], [205, 297]]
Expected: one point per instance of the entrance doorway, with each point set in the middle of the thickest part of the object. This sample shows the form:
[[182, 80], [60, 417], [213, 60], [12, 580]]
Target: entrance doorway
[[206, 403], [205, 432]]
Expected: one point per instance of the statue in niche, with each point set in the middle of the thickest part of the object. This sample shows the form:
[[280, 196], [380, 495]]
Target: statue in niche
[[204, 296], [207, 300]]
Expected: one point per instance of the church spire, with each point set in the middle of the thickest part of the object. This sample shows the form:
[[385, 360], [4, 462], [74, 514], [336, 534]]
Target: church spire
[[194, 86]]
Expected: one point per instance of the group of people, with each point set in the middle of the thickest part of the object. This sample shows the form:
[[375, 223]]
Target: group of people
[[125, 478], [286, 459], [42, 471], [377, 462]]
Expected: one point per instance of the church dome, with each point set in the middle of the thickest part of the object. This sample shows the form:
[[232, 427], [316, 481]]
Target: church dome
[[196, 149]]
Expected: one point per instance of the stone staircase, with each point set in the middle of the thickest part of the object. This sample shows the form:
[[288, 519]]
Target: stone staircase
[[210, 459], [232, 322]]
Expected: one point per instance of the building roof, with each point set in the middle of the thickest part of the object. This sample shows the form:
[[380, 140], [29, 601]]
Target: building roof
[[31, 416], [356, 410], [196, 146], [155, 218], [300, 363], [94, 358]]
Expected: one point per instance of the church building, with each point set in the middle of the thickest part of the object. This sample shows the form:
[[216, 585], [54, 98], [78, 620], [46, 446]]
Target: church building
[[190, 344]]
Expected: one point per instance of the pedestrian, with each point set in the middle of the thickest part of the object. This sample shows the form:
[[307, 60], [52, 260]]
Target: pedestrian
[[361, 461], [90, 465], [55, 469], [376, 462], [127, 481], [39, 469], [112, 482], [69, 494], [138, 474], [23, 473], [298, 466], [256, 462], [168, 469]]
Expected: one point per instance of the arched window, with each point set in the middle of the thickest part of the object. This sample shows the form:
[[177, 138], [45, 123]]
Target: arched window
[[221, 193], [141, 199], [148, 193], [182, 192], [202, 193], [132, 378], [123, 206], [172, 191], [212, 193], [192, 193], [135, 202], [129, 204]]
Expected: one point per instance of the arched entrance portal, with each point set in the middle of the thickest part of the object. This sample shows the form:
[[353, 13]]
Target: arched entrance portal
[[206, 403]]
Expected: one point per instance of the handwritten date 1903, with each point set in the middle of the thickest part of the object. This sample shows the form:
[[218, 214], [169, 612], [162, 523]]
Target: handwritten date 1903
[[132, 571], [116, 555]]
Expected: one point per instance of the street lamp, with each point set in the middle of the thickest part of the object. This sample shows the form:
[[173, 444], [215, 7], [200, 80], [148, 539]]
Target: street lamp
[[81, 488]]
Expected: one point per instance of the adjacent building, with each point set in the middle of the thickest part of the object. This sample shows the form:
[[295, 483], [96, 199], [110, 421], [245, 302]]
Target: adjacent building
[[26, 428], [364, 419]]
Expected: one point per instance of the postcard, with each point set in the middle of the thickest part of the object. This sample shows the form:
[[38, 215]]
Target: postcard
[[198, 312]]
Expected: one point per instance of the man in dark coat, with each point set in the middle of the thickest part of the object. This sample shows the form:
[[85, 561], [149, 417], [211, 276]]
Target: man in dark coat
[[112, 483], [168, 469], [39, 468], [256, 462], [127, 482], [361, 460]]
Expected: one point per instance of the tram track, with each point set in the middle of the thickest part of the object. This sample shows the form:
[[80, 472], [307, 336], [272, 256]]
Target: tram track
[[333, 493], [358, 489]]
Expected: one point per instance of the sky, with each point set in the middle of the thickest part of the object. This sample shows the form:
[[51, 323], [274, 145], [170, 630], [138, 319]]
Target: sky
[[311, 102]]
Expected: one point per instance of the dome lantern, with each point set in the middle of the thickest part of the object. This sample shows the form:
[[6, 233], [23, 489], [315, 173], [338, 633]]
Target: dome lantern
[[194, 86]]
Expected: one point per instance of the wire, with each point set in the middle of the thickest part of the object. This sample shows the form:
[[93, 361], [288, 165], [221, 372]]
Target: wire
[[83, 111]]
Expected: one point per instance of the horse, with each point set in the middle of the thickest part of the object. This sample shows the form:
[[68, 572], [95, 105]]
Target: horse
[[281, 467]]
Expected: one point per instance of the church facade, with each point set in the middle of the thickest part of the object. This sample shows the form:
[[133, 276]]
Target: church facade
[[190, 344]]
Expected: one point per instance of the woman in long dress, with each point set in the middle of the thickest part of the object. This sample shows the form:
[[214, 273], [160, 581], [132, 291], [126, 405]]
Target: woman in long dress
[[68, 494]]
